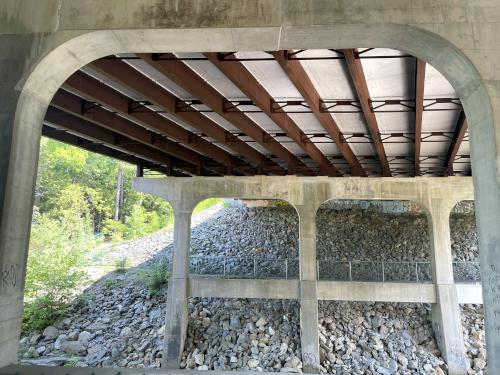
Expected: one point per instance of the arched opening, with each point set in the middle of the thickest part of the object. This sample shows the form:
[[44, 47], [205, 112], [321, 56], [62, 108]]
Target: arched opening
[[255, 239], [378, 241], [96, 255]]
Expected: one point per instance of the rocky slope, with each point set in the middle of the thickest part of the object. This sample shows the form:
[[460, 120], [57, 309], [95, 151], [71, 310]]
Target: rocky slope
[[118, 323]]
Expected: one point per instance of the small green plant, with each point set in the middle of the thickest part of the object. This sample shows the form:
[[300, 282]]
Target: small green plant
[[42, 312], [71, 362], [109, 283], [156, 276], [122, 264], [83, 298]]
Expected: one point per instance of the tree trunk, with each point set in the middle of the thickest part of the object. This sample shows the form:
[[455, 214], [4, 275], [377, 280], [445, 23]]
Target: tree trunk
[[119, 194]]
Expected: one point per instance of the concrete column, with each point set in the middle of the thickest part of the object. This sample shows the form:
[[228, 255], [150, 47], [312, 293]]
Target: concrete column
[[309, 336], [177, 308], [446, 319], [18, 53]]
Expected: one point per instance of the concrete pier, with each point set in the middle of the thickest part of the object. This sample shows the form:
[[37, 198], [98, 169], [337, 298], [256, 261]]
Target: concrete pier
[[435, 195]]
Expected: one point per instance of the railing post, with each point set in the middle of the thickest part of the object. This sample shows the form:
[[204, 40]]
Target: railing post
[[224, 267], [383, 272], [350, 270], [254, 266], [286, 268], [416, 270]]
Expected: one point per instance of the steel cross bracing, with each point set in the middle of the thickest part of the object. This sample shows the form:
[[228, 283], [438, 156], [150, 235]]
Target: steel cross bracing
[[247, 83], [148, 124], [72, 104], [301, 80], [125, 74], [185, 77], [456, 141], [97, 91]]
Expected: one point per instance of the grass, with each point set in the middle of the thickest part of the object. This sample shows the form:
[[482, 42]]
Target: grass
[[207, 203], [156, 276], [122, 264], [109, 283]]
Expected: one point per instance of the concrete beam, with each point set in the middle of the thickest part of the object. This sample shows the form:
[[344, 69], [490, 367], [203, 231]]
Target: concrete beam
[[301, 190], [327, 290], [469, 293], [243, 288], [376, 292]]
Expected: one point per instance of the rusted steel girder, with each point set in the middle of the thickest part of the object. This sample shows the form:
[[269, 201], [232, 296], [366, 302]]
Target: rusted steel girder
[[126, 75], [301, 80], [91, 131], [419, 109], [73, 104], [246, 82], [185, 77], [359, 80], [92, 89], [456, 141]]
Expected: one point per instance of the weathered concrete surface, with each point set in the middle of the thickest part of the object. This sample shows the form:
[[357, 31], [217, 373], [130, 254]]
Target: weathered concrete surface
[[307, 193], [469, 293], [459, 38], [376, 292], [176, 320], [243, 288], [446, 318]]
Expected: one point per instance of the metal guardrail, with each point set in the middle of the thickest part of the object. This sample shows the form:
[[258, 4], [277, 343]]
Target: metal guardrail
[[466, 272], [374, 271], [244, 267]]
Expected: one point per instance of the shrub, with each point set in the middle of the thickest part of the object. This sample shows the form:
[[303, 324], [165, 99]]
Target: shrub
[[114, 230], [57, 248], [156, 276], [42, 312]]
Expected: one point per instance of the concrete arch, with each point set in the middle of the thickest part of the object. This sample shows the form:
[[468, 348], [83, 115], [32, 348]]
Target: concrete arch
[[68, 56]]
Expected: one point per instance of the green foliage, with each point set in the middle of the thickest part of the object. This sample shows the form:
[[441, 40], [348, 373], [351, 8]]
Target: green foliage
[[62, 166], [43, 311], [122, 265], [114, 230], [72, 362], [58, 243], [156, 276], [205, 204], [74, 202], [109, 283]]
